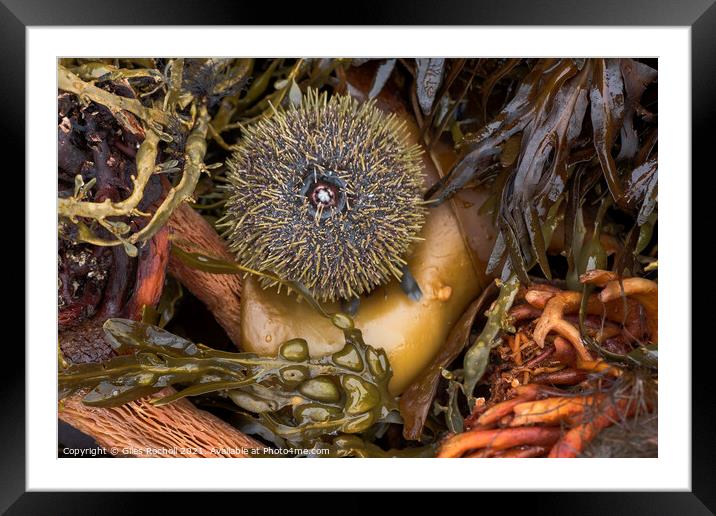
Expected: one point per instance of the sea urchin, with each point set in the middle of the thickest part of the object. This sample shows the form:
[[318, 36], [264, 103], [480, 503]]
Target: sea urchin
[[328, 194]]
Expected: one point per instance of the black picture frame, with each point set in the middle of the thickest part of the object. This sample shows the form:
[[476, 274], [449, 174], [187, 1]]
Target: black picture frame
[[700, 15]]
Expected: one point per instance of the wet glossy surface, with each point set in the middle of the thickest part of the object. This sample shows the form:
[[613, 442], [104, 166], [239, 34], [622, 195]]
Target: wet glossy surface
[[410, 332]]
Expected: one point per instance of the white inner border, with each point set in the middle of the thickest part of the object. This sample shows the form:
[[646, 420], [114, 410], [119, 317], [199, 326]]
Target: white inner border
[[671, 471]]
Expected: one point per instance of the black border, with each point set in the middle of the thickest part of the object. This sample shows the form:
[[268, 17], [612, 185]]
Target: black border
[[700, 15]]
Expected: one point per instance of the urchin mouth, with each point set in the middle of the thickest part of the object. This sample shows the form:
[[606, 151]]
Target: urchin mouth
[[326, 194]]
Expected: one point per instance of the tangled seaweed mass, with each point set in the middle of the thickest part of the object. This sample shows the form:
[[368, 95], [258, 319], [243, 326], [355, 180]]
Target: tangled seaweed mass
[[367, 258]]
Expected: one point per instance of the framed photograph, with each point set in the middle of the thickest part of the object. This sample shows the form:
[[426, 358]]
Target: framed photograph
[[425, 234]]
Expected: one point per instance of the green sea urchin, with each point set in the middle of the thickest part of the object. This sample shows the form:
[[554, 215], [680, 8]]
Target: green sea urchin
[[328, 194]]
